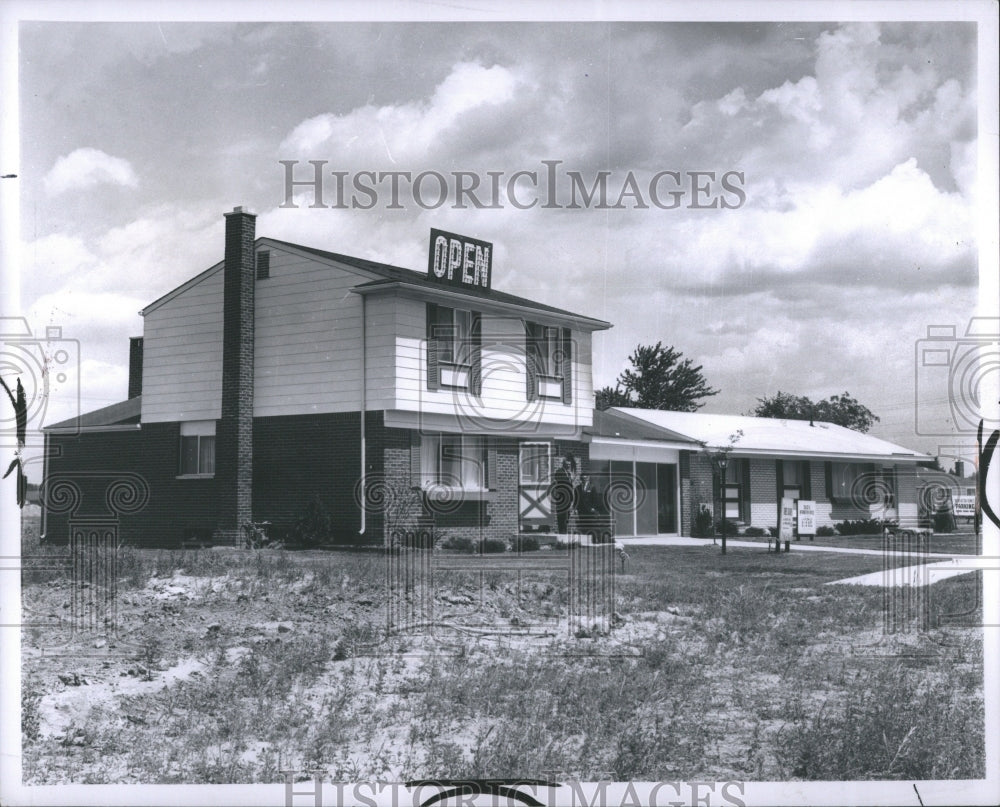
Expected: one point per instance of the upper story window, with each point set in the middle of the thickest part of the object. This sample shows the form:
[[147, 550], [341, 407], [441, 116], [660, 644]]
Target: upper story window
[[453, 341], [549, 357], [197, 448]]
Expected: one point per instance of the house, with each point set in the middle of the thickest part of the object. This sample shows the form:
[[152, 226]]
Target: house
[[285, 375], [657, 471]]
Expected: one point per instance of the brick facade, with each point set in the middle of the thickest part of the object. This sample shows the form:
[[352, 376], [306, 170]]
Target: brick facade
[[697, 487], [156, 507]]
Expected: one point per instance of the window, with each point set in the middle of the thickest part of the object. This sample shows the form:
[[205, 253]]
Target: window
[[263, 264], [198, 448], [733, 498], [535, 463], [453, 337], [454, 461], [843, 478], [794, 479], [549, 362]]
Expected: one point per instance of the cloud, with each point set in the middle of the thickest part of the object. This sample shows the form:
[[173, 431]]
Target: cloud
[[87, 167], [407, 132]]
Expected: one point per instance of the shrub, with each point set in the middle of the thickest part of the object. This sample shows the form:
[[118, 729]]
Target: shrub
[[526, 543], [314, 527], [944, 521], [732, 528], [755, 532], [459, 543], [862, 526], [773, 531], [494, 545], [703, 523], [825, 531]]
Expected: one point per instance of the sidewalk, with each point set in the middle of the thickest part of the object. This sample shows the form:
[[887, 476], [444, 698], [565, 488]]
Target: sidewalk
[[796, 546]]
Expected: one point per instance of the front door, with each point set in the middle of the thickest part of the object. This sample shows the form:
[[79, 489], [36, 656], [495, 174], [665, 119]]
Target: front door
[[666, 498], [534, 477]]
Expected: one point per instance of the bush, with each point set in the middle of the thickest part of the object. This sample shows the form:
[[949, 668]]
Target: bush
[[526, 543], [315, 526], [944, 521], [825, 531], [703, 523], [459, 543], [755, 532], [462, 543], [732, 528], [773, 531], [862, 526]]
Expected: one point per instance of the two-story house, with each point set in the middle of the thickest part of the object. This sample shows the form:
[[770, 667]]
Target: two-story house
[[285, 375]]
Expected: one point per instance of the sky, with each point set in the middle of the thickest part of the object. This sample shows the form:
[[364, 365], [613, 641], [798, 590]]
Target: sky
[[854, 146]]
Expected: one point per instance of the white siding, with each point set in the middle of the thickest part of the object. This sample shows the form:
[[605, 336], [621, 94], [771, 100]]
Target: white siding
[[397, 328], [307, 356], [182, 355]]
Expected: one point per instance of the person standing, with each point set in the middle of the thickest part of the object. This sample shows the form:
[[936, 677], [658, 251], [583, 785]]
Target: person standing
[[561, 494]]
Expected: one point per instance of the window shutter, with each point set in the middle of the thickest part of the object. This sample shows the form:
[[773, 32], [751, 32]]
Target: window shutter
[[433, 373], [476, 371], [717, 491], [807, 480], [415, 478], [491, 464], [828, 478], [263, 264], [530, 359], [567, 366], [745, 511], [779, 476]]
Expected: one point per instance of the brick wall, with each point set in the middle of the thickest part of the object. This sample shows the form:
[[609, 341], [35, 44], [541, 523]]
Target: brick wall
[[301, 458], [234, 432], [142, 460], [696, 487], [763, 492]]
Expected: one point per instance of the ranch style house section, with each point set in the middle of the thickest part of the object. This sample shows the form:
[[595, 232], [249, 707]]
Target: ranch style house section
[[658, 467]]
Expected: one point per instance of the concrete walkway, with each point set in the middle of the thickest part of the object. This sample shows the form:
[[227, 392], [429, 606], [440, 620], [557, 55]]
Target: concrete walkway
[[796, 546], [916, 574]]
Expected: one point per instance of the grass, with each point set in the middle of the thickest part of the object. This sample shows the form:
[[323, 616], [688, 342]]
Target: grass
[[743, 666]]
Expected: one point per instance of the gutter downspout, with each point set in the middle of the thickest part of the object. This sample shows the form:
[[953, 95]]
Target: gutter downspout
[[364, 404]]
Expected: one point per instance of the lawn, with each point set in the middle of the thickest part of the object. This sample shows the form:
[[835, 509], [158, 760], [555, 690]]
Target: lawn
[[229, 666]]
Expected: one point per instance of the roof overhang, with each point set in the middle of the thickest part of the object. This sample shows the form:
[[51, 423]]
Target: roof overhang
[[444, 294]]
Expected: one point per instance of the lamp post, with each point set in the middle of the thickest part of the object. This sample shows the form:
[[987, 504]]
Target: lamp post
[[722, 461]]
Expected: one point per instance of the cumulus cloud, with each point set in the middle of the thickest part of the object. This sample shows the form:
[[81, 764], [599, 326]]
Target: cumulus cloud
[[86, 167], [408, 131]]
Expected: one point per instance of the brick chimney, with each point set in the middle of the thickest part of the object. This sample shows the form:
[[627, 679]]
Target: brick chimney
[[134, 366], [234, 432]]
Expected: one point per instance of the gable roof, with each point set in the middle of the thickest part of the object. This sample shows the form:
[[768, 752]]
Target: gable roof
[[387, 275], [122, 414], [757, 436]]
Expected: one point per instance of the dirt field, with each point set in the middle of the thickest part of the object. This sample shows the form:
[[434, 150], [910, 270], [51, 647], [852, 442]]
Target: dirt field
[[229, 666]]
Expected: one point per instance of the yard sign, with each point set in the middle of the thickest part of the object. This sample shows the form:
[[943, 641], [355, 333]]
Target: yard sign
[[787, 517], [807, 517]]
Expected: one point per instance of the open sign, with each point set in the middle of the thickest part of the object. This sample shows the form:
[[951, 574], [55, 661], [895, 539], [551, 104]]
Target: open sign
[[460, 260]]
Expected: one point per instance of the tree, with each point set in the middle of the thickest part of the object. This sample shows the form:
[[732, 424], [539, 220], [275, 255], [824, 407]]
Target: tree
[[840, 409], [658, 379]]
